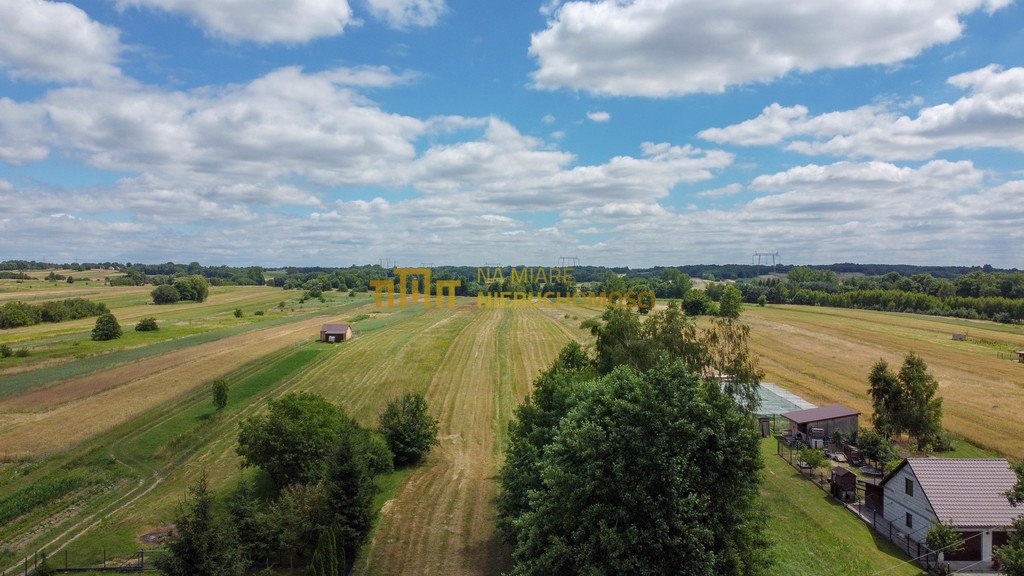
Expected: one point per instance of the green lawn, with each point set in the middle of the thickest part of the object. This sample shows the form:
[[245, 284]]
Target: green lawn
[[812, 534]]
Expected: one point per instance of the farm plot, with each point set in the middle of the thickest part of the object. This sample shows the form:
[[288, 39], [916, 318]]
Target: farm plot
[[37, 422], [442, 519], [825, 355]]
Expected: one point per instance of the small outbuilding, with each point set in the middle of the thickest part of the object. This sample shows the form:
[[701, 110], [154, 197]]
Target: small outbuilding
[[844, 484], [816, 424], [1020, 354], [335, 332]]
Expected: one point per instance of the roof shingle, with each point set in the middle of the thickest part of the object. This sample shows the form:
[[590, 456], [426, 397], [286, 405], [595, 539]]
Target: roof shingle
[[334, 327], [969, 491]]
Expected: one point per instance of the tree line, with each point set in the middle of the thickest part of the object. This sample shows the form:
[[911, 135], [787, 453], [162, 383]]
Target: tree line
[[997, 296], [17, 314]]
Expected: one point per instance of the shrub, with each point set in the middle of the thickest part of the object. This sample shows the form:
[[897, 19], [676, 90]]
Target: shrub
[[238, 312], [21, 352], [165, 294], [147, 325], [220, 394], [5, 351], [106, 328], [943, 442], [410, 432], [258, 313]]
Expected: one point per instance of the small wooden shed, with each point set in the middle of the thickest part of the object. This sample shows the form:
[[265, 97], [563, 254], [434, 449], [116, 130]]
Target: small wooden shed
[[335, 332], [844, 484], [1020, 354]]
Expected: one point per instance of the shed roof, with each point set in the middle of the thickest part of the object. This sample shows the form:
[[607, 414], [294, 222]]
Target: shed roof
[[819, 414], [969, 491], [334, 327], [841, 471]]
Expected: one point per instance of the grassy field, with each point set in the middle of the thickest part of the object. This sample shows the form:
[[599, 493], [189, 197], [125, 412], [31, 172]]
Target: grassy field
[[108, 442], [813, 534], [825, 355], [144, 427]]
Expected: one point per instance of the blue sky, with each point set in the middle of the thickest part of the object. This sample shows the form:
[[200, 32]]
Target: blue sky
[[644, 132]]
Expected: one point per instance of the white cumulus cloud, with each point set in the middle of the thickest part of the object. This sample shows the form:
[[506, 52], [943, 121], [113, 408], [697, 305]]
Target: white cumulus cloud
[[599, 116], [259, 20], [660, 48], [56, 41], [990, 116]]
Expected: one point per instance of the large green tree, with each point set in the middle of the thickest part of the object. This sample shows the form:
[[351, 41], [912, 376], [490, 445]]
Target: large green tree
[[165, 294], [924, 408], [731, 303], [350, 489], [887, 400], [293, 439], [719, 351], [409, 430], [106, 328], [203, 544], [906, 401], [533, 428], [647, 473]]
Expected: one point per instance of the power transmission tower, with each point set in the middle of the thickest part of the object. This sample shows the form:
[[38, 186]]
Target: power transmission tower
[[763, 258], [568, 262]]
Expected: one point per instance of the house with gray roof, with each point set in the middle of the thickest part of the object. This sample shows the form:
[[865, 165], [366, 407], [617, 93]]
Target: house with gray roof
[[970, 493]]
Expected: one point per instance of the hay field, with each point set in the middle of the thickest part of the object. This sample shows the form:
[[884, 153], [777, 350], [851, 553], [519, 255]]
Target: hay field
[[825, 355], [474, 365]]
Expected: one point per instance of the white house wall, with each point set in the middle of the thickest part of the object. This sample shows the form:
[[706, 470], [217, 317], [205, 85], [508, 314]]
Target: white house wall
[[898, 504]]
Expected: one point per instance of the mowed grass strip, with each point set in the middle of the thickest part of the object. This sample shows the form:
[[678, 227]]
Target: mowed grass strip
[[192, 441], [812, 534], [19, 382], [191, 438], [442, 520], [87, 406], [825, 355]]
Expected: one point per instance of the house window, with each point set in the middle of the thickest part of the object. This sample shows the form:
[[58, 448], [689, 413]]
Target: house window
[[909, 487], [910, 520]]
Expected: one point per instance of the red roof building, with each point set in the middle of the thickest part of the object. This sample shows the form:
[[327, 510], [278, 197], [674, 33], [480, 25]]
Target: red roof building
[[335, 332]]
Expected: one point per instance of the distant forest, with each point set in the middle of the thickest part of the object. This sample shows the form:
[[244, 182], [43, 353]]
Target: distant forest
[[977, 292]]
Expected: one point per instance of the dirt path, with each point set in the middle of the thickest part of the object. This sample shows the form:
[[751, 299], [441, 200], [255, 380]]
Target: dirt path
[[53, 418]]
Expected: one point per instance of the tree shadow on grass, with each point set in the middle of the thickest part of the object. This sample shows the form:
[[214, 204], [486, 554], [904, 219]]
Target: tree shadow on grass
[[488, 557]]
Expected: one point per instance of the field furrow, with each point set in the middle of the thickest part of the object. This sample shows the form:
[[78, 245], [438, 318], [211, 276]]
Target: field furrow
[[79, 408], [442, 520]]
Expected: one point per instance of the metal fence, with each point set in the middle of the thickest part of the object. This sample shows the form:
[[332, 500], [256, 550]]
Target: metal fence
[[919, 552], [68, 561]]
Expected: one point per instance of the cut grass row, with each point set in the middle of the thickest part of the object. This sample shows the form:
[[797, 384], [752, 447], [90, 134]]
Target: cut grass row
[[178, 439], [144, 345]]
